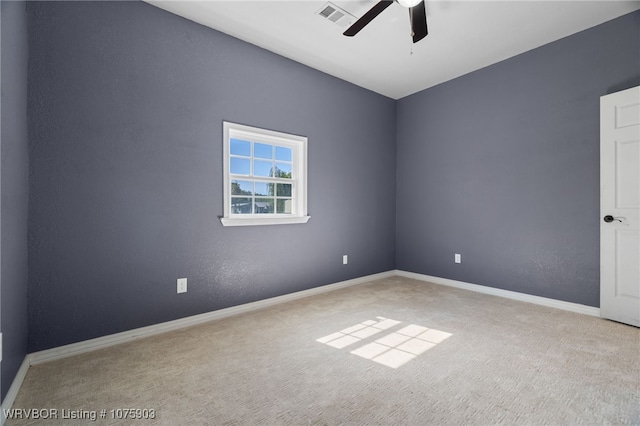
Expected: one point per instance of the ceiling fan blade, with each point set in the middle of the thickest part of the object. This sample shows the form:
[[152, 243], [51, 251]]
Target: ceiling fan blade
[[367, 17], [418, 17]]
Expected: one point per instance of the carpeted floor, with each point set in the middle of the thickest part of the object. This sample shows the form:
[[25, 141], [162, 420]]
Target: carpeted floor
[[422, 354]]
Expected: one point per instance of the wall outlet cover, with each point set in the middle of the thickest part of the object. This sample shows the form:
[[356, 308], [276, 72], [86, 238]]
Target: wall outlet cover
[[182, 285]]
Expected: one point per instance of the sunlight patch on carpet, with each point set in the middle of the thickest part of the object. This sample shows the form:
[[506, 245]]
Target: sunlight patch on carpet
[[393, 349]]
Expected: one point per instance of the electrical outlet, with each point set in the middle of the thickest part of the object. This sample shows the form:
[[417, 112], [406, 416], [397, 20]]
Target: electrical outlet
[[345, 259], [182, 285], [457, 258]]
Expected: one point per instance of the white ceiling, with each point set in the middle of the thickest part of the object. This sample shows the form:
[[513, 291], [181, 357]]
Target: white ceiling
[[463, 35]]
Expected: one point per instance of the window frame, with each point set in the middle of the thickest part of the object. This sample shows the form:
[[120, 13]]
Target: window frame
[[298, 145]]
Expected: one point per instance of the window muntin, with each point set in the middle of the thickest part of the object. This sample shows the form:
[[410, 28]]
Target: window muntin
[[264, 176]]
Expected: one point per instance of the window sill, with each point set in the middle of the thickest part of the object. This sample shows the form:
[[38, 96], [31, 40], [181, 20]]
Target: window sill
[[228, 221]]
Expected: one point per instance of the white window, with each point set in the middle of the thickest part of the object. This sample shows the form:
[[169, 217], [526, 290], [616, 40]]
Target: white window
[[265, 177]]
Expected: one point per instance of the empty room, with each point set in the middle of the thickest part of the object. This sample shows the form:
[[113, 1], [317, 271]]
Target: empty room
[[320, 213]]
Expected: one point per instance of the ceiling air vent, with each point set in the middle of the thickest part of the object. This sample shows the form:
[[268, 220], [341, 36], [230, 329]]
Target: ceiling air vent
[[336, 15]]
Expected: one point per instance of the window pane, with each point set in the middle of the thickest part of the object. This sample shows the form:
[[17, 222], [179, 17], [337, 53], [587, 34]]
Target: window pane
[[284, 206], [261, 150], [240, 166], [283, 154], [264, 205], [284, 190], [283, 170], [260, 185], [240, 205], [264, 188], [241, 187], [240, 147], [262, 168]]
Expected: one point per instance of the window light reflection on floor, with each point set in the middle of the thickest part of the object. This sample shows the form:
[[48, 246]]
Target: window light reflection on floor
[[392, 350]]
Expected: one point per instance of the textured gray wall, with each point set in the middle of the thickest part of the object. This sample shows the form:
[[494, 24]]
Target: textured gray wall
[[502, 166], [126, 105], [15, 189]]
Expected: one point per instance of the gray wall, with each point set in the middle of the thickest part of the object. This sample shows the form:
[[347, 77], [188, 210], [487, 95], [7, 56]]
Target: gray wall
[[126, 105], [14, 184], [502, 166]]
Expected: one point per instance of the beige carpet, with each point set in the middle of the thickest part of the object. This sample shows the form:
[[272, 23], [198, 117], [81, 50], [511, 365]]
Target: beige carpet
[[422, 354]]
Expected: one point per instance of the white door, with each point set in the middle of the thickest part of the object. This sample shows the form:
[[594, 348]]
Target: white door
[[619, 206]]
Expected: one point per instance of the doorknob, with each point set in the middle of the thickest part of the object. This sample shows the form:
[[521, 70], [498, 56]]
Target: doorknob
[[608, 218]]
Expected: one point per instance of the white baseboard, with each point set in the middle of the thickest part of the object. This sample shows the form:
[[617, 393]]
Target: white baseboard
[[7, 403], [523, 297], [138, 333]]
